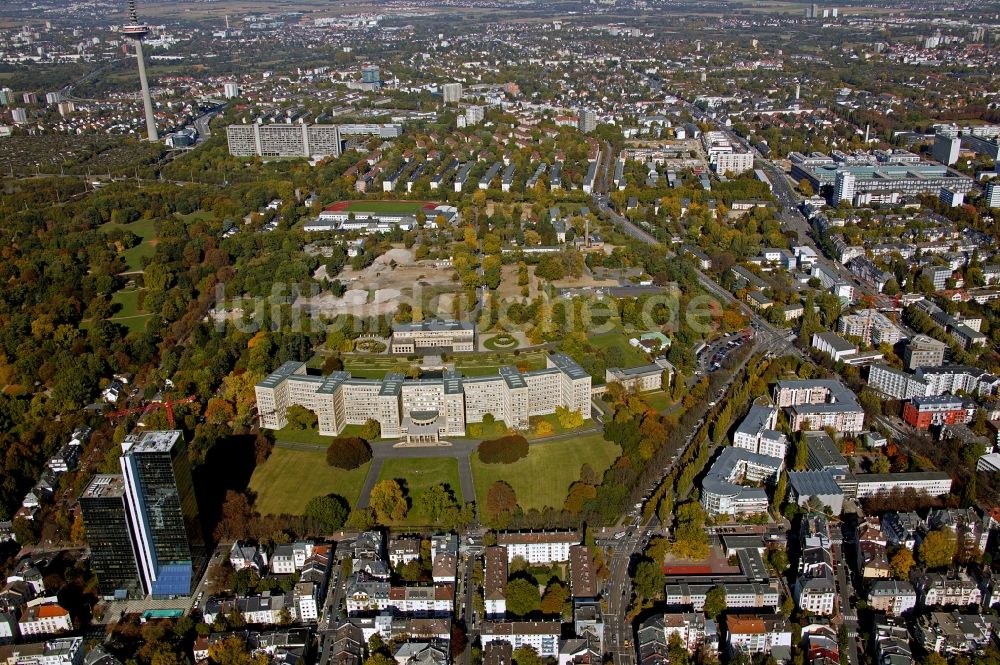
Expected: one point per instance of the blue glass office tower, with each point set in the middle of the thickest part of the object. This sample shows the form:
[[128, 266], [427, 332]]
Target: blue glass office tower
[[163, 510]]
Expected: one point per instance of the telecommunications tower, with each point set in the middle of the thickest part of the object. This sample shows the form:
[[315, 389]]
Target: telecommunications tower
[[135, 32]]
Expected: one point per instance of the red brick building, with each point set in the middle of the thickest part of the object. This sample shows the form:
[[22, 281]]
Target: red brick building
[[923, 412]]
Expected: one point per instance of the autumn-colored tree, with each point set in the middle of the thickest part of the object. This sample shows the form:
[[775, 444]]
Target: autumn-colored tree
[[568, 419], [500, 500], [579, 494], [544, 428], [901, 563], [348, 452], [387, 501], [237, 515], [219, 411], [77, 532], [556, 595], [937, 549], [505, 450]]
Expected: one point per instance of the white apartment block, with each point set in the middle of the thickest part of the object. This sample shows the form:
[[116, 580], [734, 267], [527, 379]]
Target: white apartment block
[[306, 606], [935, 589], [758, 633], [283, 140], [722, 495], [871, 326], [934, 483], [891, 597], [950, 379], [741, 595], [758, 435], [689, 627], [422, 410], [290, 557], [543, 636], [896, 384], [379, 597], [44, 616], [726, 156], [538, 547], [820, 403], [65, 651]]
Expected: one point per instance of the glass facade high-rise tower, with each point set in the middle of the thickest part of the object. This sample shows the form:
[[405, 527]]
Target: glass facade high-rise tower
[[109, 534], [163, 510]]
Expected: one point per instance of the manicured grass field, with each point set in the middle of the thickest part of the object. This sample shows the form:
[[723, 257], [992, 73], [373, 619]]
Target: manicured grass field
[[544, 476], [657, 399], [310, 436], [416, 475], [289, 478], [404, 207], [419, 474]]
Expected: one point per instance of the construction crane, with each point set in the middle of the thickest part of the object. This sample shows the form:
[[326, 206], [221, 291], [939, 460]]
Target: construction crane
[[152, 406]]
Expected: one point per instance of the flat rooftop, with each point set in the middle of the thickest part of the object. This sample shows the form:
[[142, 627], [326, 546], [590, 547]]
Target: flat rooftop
[[104, 486], [568, 365], [434, 325], [155, 441]]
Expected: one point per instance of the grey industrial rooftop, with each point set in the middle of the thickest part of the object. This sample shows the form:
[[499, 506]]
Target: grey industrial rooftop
[[813, 483]]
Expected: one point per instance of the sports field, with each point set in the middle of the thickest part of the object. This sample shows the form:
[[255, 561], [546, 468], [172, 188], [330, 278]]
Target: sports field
[[289, 478], [544, 476], [389, 207]]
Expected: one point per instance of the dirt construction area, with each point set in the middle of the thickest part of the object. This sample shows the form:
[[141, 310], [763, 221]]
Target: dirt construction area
[[392, 278]]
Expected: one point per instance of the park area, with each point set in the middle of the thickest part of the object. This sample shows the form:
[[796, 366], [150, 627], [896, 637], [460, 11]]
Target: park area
[[289, 478], [417, 475], [127, 312], [146, 230], [543, 477]]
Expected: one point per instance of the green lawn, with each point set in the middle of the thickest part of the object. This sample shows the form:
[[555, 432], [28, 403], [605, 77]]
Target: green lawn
[[196, 216], [478, 364], [657, 399], [290, 478], [544, 476], [389, 207], [145, 229], [311, 436], [618, 338], [374, 367], [553, 420], [129, 314], [416, 475]]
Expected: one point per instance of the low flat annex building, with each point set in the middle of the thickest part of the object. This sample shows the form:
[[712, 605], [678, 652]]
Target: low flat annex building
[[432, 334], [421, 410], [642, 378]]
